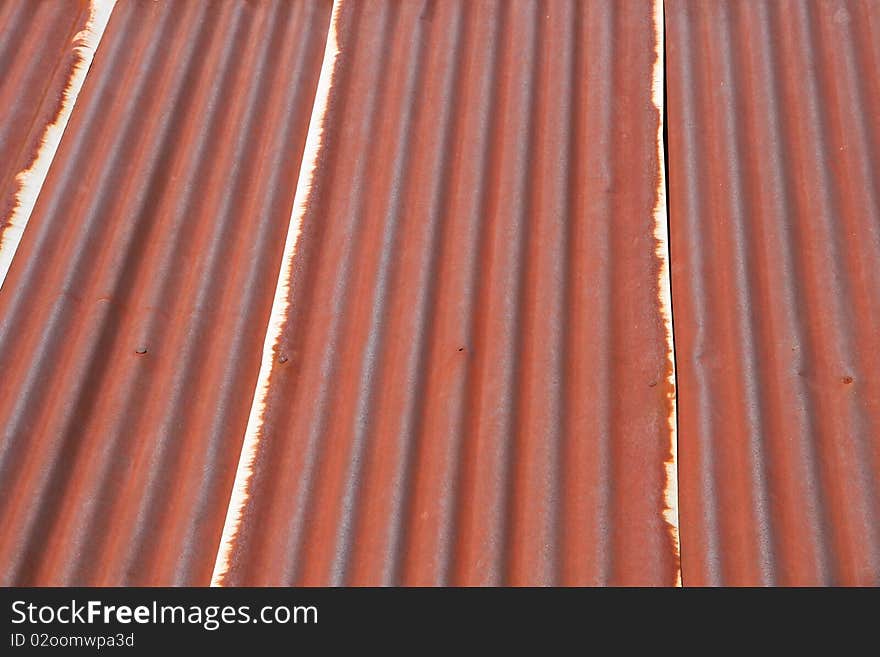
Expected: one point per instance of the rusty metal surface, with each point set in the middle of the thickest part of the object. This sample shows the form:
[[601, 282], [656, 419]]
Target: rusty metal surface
[[469, 381], [774, 149], [36, 57], [133, 316], [369, 292], [44, 51]]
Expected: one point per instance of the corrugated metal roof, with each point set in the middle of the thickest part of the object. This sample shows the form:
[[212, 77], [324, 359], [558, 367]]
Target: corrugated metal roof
[[133, 316], [774, 148], [370, 292], [469, 381]]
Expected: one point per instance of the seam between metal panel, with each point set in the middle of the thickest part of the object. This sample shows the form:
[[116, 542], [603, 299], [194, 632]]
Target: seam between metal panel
[[280, 304], [30, 180], [661, 234]]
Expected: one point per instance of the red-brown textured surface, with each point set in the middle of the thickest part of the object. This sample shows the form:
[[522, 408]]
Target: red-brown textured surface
[[774, 149], [467, 381], [159, 229], [37, 57], [470, 385]]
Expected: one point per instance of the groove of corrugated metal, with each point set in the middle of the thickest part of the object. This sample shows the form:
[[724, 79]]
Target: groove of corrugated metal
[[471, 384], [133, 317], [774, 149]]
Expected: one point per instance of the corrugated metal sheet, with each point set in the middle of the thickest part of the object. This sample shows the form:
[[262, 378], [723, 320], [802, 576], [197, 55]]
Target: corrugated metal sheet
[[468, 376], [774, 149], [432, 237], [133, 316], [46, 49]]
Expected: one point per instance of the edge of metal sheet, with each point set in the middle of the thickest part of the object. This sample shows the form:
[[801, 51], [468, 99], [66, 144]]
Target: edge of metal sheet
[[30, 180]]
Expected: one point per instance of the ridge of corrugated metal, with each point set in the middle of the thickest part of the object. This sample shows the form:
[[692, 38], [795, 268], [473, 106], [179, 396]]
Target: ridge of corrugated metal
[[133, 316], [774, 149], [471, 384], [41, 47]]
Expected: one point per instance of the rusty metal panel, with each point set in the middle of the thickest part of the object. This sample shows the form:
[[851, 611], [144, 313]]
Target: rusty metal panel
[[468, 375], [45, 51], [774, 149], [133, 317]]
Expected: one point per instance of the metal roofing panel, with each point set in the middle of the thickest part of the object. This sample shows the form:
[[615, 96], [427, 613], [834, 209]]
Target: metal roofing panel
[[46, 49], [774, 148], [134, 313], [468, 376], [432, 237]]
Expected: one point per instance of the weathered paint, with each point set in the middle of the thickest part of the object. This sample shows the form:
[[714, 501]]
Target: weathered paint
[[76, 58], [133, 317], [774, 148], [469, 373], [661, 234], [281, 302], [472, 384]]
